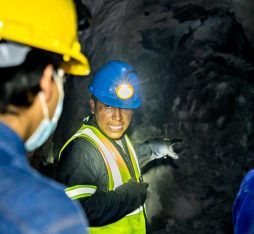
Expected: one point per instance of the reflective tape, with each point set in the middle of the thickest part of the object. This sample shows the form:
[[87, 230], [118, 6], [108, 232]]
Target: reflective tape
[[140, 209], [110, 157], [133, 153], [78, 191]]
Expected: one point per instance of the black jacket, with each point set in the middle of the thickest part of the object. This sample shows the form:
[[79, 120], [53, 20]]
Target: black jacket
[[82, 164]]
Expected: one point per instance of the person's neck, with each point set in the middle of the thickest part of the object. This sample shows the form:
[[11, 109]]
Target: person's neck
[[23, 121], [16, 123]]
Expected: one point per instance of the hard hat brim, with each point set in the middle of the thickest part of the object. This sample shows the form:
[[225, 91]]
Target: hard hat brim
[[132, 103]]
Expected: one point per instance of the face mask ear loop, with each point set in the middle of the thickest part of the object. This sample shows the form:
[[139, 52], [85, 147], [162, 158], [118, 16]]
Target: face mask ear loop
[[44, 105], [58, 78]]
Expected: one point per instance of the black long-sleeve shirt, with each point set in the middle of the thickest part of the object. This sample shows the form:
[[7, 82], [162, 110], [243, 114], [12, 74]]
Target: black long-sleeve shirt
[[82, 164]]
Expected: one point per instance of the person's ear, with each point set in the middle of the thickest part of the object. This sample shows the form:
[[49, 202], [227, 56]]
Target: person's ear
[[92, 105], [46, 82]]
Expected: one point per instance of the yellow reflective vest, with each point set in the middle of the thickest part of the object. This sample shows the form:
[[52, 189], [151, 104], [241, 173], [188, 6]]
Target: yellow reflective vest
[[118, 173]]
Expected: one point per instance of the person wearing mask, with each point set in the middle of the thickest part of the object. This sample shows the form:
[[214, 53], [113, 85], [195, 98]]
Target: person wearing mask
[[99, 164], [38, 44]]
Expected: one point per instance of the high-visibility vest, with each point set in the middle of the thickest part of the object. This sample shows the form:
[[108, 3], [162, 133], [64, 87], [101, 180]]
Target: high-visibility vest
[[118, 173]]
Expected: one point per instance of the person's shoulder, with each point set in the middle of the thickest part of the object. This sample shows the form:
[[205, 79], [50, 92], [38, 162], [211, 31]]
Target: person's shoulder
[[78, 138], [32, 197], [50, 195], [30, 184], [77, 148], [247, 184], [249, 177], [80, 141], [80, 154]]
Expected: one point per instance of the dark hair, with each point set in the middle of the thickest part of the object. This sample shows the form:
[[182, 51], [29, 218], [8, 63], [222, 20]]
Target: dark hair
[[20, 84], [94, 98]]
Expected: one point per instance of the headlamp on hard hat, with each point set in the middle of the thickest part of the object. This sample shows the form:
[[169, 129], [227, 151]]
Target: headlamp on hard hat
[[116, 84], [124, 91]]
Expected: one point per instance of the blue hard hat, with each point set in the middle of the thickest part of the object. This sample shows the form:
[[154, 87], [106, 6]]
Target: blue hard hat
[[116, 84]]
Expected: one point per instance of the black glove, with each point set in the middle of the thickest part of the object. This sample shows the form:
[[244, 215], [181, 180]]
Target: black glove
[[134, 190]]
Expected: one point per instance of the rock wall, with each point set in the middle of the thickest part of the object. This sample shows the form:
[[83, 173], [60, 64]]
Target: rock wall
[[196, 66]]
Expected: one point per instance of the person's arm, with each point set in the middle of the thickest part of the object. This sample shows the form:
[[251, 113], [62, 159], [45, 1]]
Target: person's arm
[[81, 164]]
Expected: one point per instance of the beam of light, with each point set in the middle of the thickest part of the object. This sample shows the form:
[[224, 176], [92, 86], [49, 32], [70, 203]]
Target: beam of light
[[124, 91]]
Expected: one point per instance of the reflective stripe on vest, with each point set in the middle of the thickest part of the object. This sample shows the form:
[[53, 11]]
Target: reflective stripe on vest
[[79, 191], [118, 173], [140, 209], [110, 157], [134, 158]]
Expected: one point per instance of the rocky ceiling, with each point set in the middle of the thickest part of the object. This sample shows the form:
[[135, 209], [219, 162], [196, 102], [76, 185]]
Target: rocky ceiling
[[196, 63]]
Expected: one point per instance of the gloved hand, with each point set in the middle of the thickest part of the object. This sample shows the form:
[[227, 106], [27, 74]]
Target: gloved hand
[[157, 148], [135, 190]]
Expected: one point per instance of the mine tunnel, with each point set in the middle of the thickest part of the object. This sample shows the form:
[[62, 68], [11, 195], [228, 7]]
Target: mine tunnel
[[196, 64]]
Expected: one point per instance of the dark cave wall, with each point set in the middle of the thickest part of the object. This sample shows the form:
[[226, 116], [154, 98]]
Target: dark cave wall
[[195, 61]]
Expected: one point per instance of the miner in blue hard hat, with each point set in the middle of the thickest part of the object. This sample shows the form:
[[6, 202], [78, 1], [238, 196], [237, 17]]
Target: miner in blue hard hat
[[99, 164], [116, 84]]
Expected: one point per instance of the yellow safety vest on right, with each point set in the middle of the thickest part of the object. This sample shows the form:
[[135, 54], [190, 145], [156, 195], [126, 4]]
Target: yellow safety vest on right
[[118, 172]]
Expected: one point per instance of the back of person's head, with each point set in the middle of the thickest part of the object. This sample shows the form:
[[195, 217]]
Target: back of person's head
[[19, 84], [34, 34]]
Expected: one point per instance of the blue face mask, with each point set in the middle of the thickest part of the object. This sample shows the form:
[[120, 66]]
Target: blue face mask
[[47, 126]]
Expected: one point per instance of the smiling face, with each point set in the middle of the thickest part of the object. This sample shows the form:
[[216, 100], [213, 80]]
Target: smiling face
[[112, 121]]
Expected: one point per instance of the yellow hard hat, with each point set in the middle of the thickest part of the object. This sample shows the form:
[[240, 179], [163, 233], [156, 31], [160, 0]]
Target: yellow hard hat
[[50, 25]]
